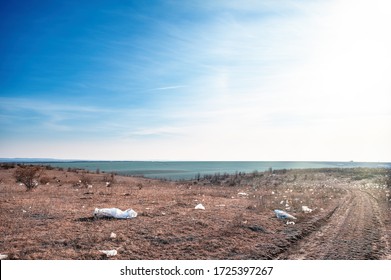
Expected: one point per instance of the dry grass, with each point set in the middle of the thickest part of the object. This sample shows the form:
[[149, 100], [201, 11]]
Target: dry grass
[[55, 220]]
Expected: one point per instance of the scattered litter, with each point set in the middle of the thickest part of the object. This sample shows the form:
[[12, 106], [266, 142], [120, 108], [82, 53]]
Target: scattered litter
[[199, 207], [283, 215], [290, 222], [115, 213], [220, 205], [306, 209], [3, 257], [242, 194], [109, 253], [113, 235], [24, 211]]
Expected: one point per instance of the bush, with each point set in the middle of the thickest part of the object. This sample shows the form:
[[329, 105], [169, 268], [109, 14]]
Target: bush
[[388, 178], [85, 180], [44, 180], [28, 176]]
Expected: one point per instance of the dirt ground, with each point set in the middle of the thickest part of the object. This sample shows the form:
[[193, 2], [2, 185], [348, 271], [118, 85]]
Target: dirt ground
[[350, 218]]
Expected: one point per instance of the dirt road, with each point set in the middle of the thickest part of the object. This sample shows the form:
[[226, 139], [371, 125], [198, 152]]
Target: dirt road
[[354, 231]]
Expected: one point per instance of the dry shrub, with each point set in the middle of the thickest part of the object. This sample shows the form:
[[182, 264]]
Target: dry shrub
[[28, 176], [44, 180], [85, 180]]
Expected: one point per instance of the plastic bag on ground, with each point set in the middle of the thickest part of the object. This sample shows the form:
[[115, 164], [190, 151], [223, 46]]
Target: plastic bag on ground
[[109, 253], [200, 207], [114, 213], [283, 215], [306, 209]]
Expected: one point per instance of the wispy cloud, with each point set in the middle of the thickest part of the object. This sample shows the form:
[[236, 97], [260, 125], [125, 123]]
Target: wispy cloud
[[168, 87]]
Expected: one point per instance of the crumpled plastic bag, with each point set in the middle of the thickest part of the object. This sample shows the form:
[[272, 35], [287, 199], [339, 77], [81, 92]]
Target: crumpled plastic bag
[[114, 213], [306, 209], [283, 215], [109, 253], [199, 207]]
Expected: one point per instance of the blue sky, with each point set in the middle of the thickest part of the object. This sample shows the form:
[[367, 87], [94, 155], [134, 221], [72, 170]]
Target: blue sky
[[196, 80]]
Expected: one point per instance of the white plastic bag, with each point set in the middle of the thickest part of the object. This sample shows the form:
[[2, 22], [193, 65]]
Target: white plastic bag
[[109, 253], [306, 209], [283, 215], [199, 207], [115, 213]]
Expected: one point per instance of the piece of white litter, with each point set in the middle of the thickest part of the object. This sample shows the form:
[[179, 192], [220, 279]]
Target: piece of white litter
[[109, 253], [290, 223], [305, 209], [199, 207], [283, 215], [242, 194], [3, 257], [24, 211], [114, 213], [113, 235]]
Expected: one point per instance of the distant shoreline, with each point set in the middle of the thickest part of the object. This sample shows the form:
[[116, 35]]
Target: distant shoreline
[[187, 170]]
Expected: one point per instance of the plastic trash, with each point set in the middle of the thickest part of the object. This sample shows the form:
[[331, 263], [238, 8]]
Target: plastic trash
[[199, 207], [306, 209], [109, 253], [3, 257], [113, 235], [115, 213], [242, 194], [290, 223], [283, 215]]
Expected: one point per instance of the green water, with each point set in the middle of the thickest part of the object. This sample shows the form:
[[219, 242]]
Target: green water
[[176, 170]]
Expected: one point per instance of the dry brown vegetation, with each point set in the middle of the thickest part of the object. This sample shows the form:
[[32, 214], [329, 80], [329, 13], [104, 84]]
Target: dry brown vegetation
[[55, 220]]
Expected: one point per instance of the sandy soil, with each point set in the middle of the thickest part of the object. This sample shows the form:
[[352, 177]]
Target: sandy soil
[[351, 217]]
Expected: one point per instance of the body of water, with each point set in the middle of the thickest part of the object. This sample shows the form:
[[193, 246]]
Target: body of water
[[177, 170]]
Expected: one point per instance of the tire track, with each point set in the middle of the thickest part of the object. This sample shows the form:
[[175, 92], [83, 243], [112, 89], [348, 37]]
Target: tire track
[[354, 231]]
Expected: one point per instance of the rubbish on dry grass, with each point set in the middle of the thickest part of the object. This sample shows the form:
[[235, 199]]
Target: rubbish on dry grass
[[114, 213], [199, 207], [242, 194], [3, 257], [306, 209], [290, 223], [109, 253], [283, 215], [113, 235]]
